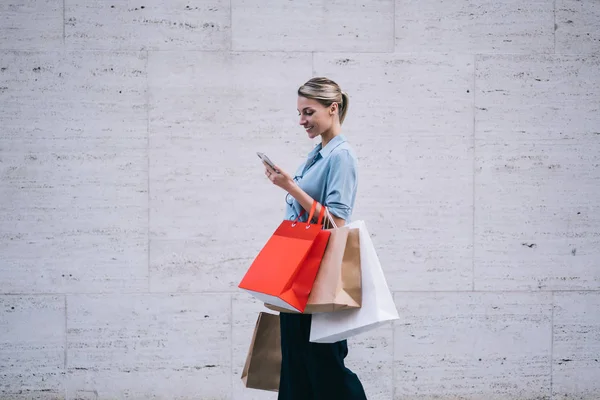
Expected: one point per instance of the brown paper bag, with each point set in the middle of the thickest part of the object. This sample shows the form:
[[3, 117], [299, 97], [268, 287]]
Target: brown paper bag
[[263, 363], [338, 282]]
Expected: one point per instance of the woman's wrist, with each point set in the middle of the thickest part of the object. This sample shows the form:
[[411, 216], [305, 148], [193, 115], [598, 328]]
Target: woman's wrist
[[291, 188]]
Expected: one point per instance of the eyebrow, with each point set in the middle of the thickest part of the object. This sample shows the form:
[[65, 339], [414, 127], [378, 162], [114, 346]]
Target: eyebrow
[[305, 108]]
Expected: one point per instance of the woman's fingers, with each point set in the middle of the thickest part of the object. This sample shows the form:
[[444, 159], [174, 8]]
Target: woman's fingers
[[270, 174], [276, 175], [283, 174], [269, 168]]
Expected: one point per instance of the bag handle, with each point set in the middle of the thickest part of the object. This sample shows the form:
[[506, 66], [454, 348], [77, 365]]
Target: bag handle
[[330, 218], [322, 214], [312, 211]]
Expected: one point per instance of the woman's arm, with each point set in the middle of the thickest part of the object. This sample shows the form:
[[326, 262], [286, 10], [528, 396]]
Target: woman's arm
[[286, 182], [306, 202]]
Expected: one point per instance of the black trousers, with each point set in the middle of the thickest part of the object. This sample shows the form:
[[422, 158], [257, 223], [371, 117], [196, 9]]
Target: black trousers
[[313, 371]]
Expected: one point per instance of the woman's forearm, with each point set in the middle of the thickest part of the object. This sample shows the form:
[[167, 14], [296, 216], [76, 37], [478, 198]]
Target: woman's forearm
[[306, 202]]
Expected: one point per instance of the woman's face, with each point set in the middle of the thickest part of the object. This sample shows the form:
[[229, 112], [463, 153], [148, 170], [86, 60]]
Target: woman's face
[[315, 118]]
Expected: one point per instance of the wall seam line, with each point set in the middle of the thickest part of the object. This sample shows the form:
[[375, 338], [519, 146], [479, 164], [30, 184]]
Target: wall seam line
[[394, 28], [224, 292], [394, 354], [148, 168], [231, 379], [554, 27], [66, 343], [474, 166], [552, 347], [64, 11]]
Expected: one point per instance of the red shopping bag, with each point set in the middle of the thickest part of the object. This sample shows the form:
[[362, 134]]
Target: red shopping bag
[[284, 271]]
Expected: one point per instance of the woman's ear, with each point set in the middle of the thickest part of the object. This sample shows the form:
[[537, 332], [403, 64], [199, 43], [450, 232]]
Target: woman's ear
[[333, 108]]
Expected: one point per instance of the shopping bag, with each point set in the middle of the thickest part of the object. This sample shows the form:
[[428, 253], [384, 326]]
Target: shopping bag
[[284, 271], [263, 363], [338, 282], [377, 307]]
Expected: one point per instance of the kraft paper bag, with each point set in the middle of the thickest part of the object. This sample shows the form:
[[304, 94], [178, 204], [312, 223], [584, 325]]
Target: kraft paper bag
[[377, 307], [263, 363], [338, 282]]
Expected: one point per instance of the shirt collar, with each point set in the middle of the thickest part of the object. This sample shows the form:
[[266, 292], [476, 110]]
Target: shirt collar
[[333, 143]]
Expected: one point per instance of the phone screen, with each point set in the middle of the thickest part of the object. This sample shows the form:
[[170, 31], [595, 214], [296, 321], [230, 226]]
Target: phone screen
[[266, 159]]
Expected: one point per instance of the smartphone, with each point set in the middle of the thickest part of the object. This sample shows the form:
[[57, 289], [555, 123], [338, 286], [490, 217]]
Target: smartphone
[[266, 159]]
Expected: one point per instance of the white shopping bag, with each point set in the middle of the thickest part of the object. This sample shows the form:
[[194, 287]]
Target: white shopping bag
[[378, 305]]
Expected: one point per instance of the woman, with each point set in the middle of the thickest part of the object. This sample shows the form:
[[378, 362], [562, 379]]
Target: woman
[[316, 371]]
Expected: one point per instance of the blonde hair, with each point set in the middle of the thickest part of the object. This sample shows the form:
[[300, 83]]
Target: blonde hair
[[326, 92]]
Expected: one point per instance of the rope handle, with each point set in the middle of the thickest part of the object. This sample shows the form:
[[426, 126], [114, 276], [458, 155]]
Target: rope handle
[[330, 218]]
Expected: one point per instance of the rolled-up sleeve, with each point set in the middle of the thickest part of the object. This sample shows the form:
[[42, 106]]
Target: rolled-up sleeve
[[342, 183]]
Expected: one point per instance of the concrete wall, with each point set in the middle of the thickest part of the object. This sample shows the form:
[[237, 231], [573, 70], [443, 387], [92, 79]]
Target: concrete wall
[[132, 200]]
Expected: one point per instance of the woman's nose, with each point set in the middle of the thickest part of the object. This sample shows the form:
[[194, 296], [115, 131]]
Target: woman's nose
[[302, 121]]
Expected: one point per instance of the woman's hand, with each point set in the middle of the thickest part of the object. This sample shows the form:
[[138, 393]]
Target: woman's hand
[[286, 182], [279, 177]]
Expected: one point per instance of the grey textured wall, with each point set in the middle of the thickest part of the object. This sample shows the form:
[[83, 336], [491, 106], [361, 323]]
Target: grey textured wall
[[132, 200]]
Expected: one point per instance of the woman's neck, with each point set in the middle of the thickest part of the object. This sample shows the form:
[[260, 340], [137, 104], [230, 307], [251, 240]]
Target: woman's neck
[[326, 136]]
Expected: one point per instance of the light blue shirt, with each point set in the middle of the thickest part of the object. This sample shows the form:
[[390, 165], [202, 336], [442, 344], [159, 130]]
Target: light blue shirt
[[329, 175]]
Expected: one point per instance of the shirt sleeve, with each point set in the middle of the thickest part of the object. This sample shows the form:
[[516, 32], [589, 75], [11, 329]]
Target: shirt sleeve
[[341, 185]]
